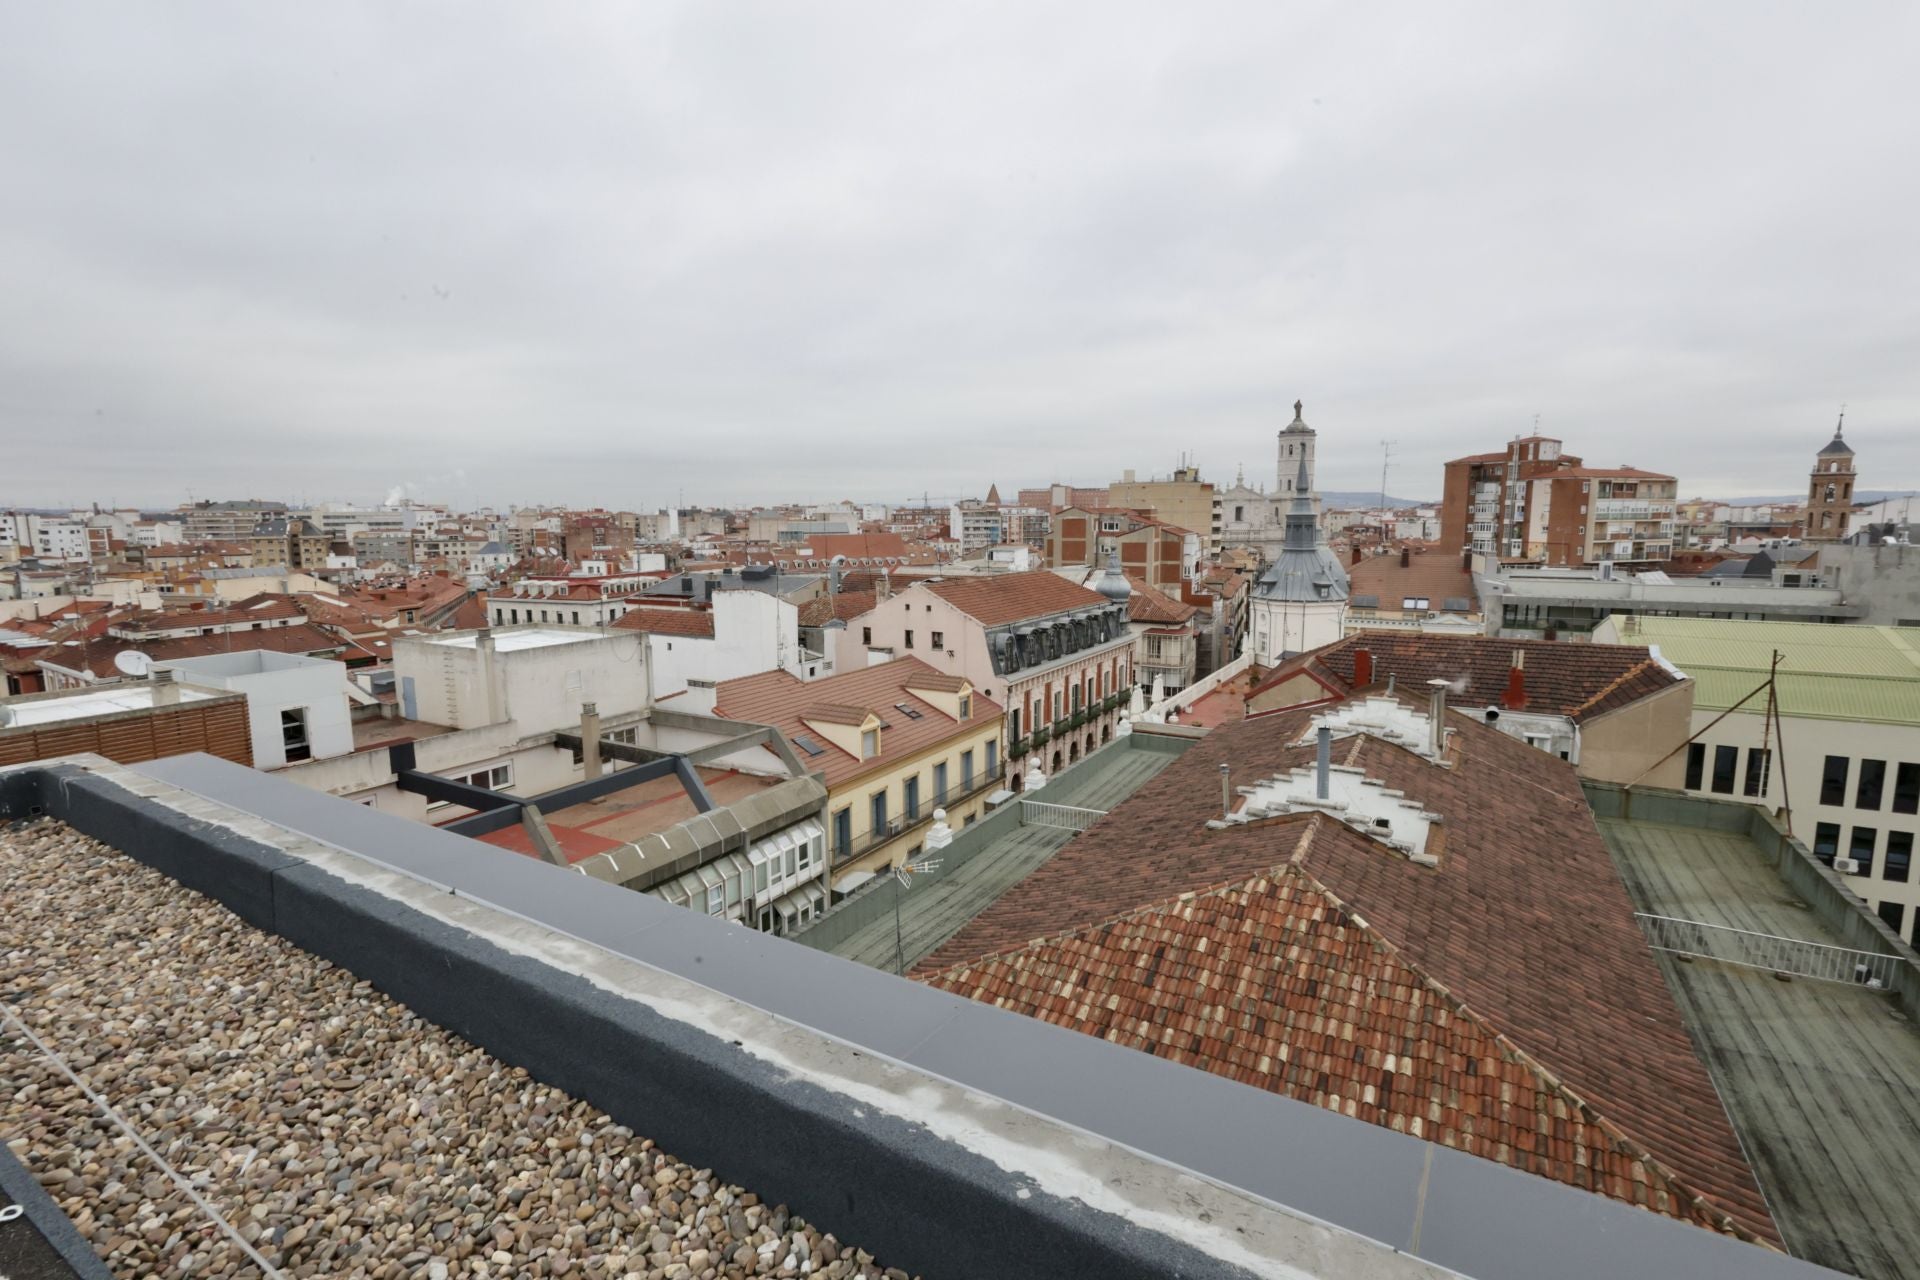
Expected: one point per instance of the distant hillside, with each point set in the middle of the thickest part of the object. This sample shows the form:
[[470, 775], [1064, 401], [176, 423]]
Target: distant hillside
[[1347, 499], [1859, 495]]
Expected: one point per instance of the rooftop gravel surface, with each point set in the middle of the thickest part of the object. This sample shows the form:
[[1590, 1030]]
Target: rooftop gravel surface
[[326, 1126]]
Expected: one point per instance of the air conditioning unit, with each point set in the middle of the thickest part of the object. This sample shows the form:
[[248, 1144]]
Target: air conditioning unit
[[1846, 866]]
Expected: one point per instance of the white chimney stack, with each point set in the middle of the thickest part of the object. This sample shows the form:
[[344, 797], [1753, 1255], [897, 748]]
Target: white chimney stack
[[1437, 712]]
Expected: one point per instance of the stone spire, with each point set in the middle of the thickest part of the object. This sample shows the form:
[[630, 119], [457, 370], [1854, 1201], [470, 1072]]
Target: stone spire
[[1303, 523]]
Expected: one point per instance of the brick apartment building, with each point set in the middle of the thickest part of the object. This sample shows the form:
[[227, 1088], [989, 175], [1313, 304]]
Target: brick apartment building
[[1533, 502], [1160, 554]]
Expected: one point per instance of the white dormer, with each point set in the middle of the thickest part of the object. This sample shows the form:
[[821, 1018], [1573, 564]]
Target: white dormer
[[1381, 717], [1366, 804]]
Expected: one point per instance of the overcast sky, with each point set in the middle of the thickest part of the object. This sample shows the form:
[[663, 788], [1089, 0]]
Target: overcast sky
[[603, 254]]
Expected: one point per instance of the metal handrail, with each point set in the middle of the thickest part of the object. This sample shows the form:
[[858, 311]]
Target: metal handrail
[[1771, 952], [1042, 813]]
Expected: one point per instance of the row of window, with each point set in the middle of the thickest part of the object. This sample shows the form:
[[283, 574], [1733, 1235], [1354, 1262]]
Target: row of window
[[1064, 699], [1861, 846], [1726, 768], [496, 777], [1870, 784], [511, 617], [1894, 915], [768, 874], [883, 822]]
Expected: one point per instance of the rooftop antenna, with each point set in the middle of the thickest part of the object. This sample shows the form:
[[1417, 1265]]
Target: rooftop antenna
[[1386, 457], [902, 880]]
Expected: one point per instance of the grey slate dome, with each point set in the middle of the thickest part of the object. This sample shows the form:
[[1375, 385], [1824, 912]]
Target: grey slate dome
[[1836, 446], [1306, 569], [1298, 426], [1113, 583]]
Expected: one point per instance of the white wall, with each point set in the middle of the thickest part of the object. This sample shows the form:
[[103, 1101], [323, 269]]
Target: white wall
[[364, 776], [752, 632], [538, 689], [1278, 628], [277, 682]]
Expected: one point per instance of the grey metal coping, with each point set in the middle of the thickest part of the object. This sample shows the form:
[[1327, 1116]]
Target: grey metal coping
[[1595, 591], [41, 1243], [1433, 1203]]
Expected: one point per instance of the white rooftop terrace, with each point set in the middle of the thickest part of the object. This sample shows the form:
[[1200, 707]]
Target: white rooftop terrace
[[529, 638], [87, 703]]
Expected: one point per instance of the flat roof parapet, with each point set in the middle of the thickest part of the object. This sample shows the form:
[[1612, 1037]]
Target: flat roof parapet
[[946, 1135]]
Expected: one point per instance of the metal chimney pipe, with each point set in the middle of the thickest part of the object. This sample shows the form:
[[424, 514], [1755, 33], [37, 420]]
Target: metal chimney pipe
[[1323, 764], [1437, 713], [1226, 793]]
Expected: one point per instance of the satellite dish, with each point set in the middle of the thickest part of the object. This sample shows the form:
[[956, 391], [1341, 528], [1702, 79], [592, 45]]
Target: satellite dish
[[132, 663]]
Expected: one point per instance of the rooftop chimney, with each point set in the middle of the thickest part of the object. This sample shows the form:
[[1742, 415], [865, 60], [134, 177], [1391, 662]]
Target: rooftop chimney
[[1323, 764], [1362, 667], [166, 693], [589, 740], [1437, 712], [1358, 555], [1516, 695], [1406, 558]]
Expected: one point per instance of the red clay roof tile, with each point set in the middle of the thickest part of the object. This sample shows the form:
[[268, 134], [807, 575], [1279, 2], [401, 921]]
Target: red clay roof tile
[[1539, 954]]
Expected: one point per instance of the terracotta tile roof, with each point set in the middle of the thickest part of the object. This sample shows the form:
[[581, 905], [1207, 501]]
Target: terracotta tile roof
[[98, 656], [1323, 1009], [261, 608], [470, 615], [825, 546], [1573, 680], [668, 622], [867, 582], [1435, 576], [821, 610], [1540, 955], [1616, 473], [935, 681], [837, 713], [1147, 604], [995, 600], [782, 700]]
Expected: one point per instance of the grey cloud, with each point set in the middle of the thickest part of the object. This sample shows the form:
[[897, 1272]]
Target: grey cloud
[[604, 254]]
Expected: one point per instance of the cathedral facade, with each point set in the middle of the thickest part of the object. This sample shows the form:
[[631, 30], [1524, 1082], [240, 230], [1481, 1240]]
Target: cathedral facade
[[1256, 518]]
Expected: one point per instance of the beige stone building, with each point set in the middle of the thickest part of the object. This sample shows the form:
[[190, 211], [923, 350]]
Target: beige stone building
[[893, 742], [1184, 501]]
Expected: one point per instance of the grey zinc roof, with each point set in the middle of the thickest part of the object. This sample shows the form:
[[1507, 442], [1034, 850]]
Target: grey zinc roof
[[1300, 574]]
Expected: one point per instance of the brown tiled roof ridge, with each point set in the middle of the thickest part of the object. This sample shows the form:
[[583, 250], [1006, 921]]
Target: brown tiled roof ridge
[[1670, 1180], [1610, 687], [1262, 878], [837, 713]]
